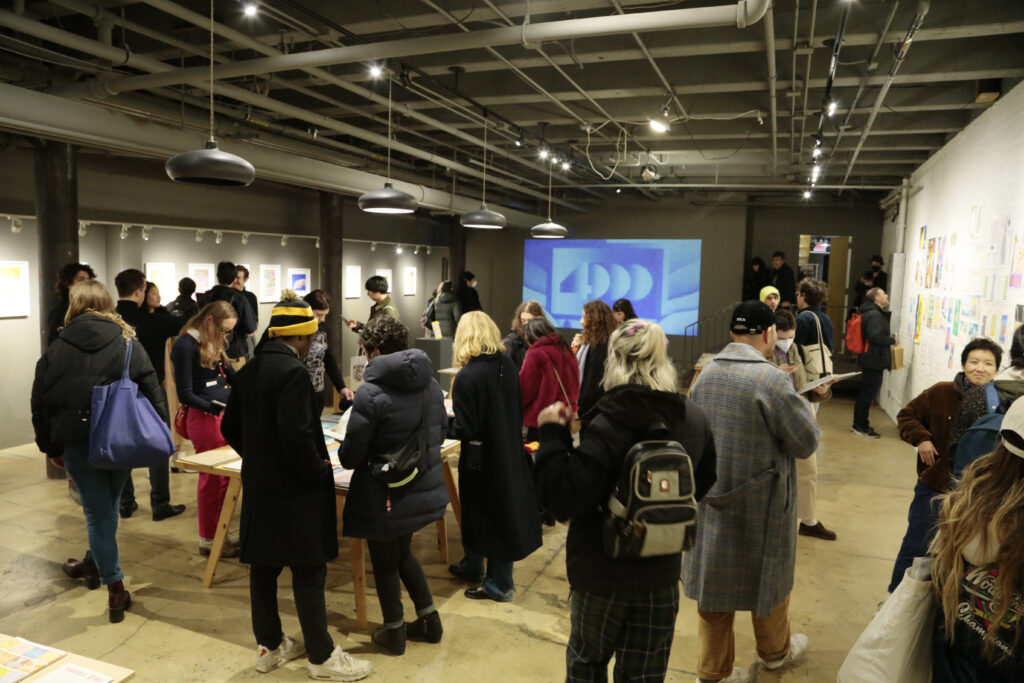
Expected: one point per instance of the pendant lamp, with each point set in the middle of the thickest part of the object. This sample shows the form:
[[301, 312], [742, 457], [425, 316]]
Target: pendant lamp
[[388, 200], [549, 230], [210, 165], [483, 217]]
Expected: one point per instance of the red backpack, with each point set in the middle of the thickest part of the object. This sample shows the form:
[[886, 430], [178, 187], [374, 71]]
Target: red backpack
[[855, 335]]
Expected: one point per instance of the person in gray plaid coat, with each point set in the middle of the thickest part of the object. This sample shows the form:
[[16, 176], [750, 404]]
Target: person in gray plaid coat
[[745, 548]]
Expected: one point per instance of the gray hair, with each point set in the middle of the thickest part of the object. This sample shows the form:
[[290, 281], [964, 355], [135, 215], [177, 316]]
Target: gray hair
[[872, 294]]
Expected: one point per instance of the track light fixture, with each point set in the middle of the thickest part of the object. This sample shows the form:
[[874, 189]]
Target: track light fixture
[[807, 194], [245, 238], [428, 251], [82, 228], [317, 243], [543, 154], [145, 233], [387, 200], [376, 71], [816, 152], [832, 108], [15, 224], [218, 237], [210, 165], [815, 172], [565, 165], [373, 246], [416, 250], [284, 240], [483, 217], [398, 248], [124, 231], [660, 124], [199, 235]]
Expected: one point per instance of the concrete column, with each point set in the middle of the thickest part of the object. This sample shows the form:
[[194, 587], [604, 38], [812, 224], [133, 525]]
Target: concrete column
[[332, 272], [456, 249]]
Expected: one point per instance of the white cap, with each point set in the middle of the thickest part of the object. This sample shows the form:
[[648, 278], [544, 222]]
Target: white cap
[[1012, 431]]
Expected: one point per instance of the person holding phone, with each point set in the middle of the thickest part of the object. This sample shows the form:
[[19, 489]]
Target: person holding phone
[[203, 375]]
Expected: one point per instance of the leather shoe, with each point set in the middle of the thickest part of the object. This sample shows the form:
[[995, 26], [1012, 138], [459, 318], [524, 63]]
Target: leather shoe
[[817, 531], [460, 571], [426, 628], [83, 569], [128, 509], [479, 593], [165, 511]]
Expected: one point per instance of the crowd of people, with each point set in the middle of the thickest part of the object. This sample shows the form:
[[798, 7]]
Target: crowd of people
[[547, 428]]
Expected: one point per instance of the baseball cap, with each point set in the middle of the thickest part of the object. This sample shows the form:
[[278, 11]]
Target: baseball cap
[[751, 317], [1012, 431]]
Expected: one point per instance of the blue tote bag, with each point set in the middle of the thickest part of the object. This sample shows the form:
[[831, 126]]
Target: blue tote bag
[[125, 430]]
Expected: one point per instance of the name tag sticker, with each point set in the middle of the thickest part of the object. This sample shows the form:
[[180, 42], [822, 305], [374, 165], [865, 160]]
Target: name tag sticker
[[212, 383]]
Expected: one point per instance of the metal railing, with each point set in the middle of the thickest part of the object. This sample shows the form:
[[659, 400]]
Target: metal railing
[[708, 335]]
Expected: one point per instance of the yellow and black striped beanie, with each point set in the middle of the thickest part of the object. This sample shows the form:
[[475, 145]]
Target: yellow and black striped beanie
[[291, 317]]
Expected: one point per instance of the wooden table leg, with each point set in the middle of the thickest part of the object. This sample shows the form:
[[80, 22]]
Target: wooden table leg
[[453, 492], [357, 558], [226, 512], [442, 540]]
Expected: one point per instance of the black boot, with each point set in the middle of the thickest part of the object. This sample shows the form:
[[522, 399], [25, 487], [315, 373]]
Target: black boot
[[84, 569], [427, 629], [391, 639], [118, 600]]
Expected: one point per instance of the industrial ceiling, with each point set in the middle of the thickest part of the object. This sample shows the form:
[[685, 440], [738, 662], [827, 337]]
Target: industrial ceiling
[[836, 96]]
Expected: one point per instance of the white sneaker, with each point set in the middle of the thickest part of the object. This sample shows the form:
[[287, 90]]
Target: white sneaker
[[738, 675], [797, 649], [268, 660], [340, 666]]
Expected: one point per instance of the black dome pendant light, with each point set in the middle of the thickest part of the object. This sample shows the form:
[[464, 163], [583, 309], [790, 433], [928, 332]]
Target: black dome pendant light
[[210, 165], [387, 200], [483, 217]]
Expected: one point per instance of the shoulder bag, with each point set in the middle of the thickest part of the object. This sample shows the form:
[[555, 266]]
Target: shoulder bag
[[819, 358], [574, 424], [402, 467]]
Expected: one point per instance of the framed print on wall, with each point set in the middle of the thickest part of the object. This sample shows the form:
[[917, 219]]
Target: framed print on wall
[[270, 283], [205, 275], [14, 290], [163, 276], [299, 281], [353, 282], [409, 281]]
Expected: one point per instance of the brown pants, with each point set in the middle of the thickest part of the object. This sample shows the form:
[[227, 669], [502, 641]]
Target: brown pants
[[718, 647]]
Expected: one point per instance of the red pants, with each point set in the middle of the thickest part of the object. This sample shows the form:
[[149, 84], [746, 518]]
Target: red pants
[[204, 432]]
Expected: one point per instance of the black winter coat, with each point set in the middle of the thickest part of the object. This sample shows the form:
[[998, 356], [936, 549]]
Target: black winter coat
[[590, 381], [153, 330], [55, 319], [784, 281], [385, 415], [515, 347], [89, 352], [499, 506], [289, 516], [874, 325], [574, 483], [238, 346], [754, 282], [469, 299]]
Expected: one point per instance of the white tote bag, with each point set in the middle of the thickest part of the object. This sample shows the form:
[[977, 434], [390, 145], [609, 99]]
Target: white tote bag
[[896, 647]]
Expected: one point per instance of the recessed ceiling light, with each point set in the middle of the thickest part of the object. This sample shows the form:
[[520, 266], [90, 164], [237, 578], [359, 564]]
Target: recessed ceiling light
[[250, 9]]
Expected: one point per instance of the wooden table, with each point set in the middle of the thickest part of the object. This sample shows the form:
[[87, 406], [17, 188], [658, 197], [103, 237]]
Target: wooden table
[[225, 462]]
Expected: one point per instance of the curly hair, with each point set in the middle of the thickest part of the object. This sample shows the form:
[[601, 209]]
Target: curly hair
[[66, 277], [814, 291], [384, 334], [598, 322]]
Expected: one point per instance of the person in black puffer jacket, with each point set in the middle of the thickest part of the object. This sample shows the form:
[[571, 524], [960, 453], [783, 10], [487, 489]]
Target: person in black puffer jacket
[[632, 603], [89, 352], [386, 414]]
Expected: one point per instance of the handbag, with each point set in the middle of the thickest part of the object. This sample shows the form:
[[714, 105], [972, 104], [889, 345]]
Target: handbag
[[819, 358], [401, 467], [125, 430], [896, 647], [181, 421], [574, 424]]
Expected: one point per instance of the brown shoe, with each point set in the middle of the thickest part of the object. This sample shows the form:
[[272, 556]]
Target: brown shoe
[[817, 531], [83, 569], [118, 600]]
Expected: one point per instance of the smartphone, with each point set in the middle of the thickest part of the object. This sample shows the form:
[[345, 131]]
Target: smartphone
[[219, 404]]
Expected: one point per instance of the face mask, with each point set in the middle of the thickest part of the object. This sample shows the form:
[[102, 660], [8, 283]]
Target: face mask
[[784, 344], [876, 268]]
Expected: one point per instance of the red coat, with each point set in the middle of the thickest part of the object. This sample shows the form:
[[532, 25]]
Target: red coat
[[537, 379]]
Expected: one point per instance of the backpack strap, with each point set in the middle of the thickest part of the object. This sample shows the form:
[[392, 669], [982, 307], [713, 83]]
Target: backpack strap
[[991, 397], [127, 359]]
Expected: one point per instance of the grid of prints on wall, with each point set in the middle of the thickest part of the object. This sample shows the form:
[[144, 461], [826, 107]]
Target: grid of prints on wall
[[14, 290], [968, 283], [270, 283]]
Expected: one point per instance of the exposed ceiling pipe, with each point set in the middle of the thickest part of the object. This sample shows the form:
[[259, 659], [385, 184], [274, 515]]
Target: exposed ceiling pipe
[[872, 64], [793, 86], [807, 76], [833, 66], [742, 14], [242, 39], [654, 65], [901, 54], [76, 42], [35, 113], [769, 45]]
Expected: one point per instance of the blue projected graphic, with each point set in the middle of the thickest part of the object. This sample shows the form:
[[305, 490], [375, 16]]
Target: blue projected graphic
[[660, 277]]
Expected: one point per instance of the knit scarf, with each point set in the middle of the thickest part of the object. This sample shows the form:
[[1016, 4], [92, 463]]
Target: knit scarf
[[972, 407]]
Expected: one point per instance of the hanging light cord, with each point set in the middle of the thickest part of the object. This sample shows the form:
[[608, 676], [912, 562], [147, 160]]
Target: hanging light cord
[[389, 130], [211, 71], [549, 191], [483, 199]]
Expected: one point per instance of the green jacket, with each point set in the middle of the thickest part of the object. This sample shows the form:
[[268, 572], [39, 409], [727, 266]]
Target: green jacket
[[385, 307]]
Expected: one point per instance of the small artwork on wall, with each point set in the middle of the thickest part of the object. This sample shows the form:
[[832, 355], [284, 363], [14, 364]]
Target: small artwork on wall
[[299, 280], [163, 276], [270, 283], [353, 282], [14, 290], [409, 281], [205, 275]]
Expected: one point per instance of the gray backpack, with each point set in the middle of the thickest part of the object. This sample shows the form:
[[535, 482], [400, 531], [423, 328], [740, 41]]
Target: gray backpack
[[652, 510]]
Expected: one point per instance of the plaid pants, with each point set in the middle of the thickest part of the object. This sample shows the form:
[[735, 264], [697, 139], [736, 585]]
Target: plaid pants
[[636, 627]]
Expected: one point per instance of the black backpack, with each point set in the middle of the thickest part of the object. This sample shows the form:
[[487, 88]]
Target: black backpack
[[652, 510], [400, 468]]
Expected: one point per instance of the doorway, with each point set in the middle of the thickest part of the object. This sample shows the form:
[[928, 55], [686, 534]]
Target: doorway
[[827, 258]]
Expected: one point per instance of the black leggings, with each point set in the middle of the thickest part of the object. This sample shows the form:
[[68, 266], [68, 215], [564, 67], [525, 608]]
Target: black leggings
[[394, 565]]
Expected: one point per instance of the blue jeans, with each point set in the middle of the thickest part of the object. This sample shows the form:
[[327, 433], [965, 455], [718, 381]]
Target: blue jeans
[[922, 519], [101, 493], [498, 579]]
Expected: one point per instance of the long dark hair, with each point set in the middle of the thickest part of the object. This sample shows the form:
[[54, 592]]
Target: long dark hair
[[625, 306], [538, 328], [757, 261], [1017, 348]]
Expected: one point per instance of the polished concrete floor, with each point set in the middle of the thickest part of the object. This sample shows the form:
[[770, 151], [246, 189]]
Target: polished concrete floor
[[179, 631]]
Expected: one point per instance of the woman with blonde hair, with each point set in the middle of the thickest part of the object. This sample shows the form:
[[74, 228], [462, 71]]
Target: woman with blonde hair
[[978, 574], [515, 341], [89, 352], [203, 374], [622, 607], [499, 507]]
